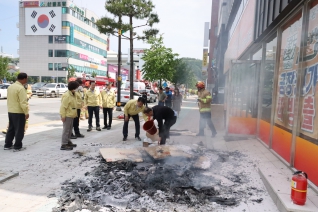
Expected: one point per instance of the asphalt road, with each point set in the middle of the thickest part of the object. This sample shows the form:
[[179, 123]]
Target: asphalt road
[[42, 110]]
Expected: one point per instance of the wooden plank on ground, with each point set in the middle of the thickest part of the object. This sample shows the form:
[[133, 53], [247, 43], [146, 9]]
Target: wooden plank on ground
[[117, 154]]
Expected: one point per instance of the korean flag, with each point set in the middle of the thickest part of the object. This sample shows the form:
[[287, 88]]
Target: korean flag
[[43, 21]]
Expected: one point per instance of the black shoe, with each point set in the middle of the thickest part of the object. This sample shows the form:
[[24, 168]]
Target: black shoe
[[138, 138], [104, 127], [89, 129], [213, 135], [71, 144], [66, 147], [200, 134], [80, 135], [125, 139], [73, 136], [8, 148], [98, 129], [108, 128]]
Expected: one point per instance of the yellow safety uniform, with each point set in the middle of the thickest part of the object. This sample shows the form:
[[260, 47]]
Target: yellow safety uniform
[[132, 109], [84, 112], [68, 105], [206, 99], [92, 99], [108, 99]]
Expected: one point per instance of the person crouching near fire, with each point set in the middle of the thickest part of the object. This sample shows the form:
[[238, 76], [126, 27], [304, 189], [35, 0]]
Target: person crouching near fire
[[68, 112]]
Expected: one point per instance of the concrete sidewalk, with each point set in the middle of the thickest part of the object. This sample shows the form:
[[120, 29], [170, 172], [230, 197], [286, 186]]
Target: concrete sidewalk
[[43, 166]]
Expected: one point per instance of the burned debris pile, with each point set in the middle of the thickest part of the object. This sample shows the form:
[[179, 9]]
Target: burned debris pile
[[150, 185]]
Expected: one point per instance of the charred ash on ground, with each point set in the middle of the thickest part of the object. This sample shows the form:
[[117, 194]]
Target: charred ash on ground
[[171, 184]]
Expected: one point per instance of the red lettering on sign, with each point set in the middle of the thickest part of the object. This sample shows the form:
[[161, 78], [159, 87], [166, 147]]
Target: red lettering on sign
[[308, 114]]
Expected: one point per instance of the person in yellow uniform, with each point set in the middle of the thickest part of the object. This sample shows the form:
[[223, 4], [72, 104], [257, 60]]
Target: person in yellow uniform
[[79, 105], [93, 102], [84, 112], [68, 112], [132, 109], [108, 101], [29, 95], [204, 103], [18, 112]]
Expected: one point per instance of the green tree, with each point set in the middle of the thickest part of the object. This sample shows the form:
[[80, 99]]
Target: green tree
[[4, 61], [196, 66], [159, 61], [70, 72], [133, 9], [93, 74], [183, 74]]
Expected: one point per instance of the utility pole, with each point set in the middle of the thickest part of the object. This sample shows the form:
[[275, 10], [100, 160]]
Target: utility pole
[[119, 67]]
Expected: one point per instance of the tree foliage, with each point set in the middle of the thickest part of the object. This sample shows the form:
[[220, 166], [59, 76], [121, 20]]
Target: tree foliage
[[159, 61], [183, 74], [196, 66], [4, 61], [133, 9], [94, 74], [70, 72]]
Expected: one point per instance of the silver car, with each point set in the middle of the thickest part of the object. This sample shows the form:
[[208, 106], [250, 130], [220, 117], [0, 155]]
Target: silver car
[[125, 96]]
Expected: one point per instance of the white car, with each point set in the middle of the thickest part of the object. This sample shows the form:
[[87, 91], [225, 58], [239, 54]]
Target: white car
[[125, 96], [4, 91], [52, 90], [151, 95]]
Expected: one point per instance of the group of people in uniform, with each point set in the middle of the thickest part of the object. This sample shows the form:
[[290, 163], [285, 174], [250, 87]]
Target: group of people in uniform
[[92, 100]]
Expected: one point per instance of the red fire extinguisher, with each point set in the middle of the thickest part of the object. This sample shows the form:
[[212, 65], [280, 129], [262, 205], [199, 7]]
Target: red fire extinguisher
[[299, 188]]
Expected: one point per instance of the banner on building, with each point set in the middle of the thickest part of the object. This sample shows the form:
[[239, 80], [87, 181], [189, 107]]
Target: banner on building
[[43, 21], [206, 35], [205, 62]]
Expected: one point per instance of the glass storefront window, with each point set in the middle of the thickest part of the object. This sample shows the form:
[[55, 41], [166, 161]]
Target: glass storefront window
[[308, 101], [287, 73]]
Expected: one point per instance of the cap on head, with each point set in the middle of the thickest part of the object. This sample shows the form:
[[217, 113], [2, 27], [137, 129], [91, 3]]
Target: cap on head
[[200, 85]]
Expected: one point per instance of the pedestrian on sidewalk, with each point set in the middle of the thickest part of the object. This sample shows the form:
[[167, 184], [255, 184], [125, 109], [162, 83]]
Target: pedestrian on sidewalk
[[144, 95], [18, 113], [132, 109], [84, 112], [68, 112], [93, 102], [168, 98], [177, 101], [79, 104], [161, 97], [204, 103], [108, 102], [161, 113]]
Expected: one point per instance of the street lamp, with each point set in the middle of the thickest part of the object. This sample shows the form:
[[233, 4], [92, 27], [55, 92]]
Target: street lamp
[[67, 73]]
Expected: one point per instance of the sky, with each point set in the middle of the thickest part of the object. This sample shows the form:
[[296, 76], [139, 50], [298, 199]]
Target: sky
[[181, 24]]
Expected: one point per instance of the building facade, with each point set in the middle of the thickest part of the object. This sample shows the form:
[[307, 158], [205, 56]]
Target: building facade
[[57, 35], [270, 63]]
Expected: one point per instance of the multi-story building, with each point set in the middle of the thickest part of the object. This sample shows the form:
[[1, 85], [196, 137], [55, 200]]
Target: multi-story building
[[57, 35], [268, 52]]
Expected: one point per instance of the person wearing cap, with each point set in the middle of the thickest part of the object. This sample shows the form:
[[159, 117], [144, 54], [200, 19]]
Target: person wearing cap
[[93, 102], [108, 102], [68, 112], [132, 109]]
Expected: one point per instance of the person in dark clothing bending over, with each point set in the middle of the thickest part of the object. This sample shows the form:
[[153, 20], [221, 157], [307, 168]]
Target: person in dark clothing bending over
[[159, 113]]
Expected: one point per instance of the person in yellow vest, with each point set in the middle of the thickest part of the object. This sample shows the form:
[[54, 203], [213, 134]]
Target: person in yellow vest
[[108, 101], [28, 89], [18, 113], [93, 102], [84, 112], [68, 112], [79, 105], [204, 103], [132, 109]]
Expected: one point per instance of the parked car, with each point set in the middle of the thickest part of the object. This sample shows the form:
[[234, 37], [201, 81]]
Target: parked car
[[125, 96], [151, 95], [4, 91], [37, 86], [52, 90]]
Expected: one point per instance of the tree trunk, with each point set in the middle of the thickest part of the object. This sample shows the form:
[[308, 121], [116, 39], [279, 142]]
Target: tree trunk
[[131, 75], [160, 83]]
